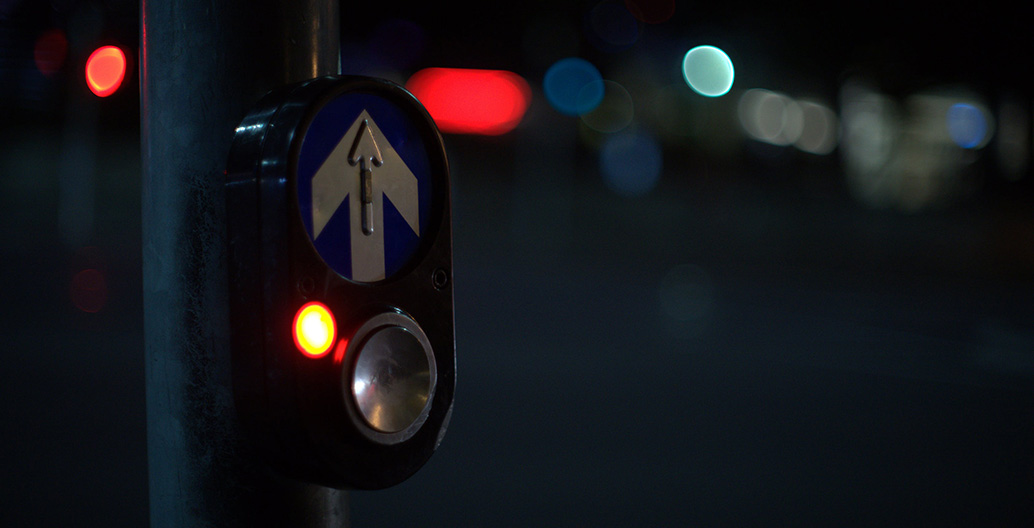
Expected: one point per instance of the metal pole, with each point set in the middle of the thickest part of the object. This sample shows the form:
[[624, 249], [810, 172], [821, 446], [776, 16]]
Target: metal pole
[[203, 64]]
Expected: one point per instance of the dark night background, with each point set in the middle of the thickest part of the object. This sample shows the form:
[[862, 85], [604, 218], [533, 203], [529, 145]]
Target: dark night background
[[765, 337]]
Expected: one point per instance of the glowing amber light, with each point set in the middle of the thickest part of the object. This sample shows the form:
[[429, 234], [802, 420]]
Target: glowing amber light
[[105, 70], [314, 330]]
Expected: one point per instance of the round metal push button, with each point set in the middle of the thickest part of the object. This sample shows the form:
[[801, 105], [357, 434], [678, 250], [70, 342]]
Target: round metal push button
[[394, 377]]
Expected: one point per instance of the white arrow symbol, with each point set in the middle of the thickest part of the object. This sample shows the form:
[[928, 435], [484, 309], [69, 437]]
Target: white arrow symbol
[[364, 168], [365, 152]]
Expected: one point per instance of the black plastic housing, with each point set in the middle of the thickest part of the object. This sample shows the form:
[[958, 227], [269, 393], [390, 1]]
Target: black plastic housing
[[295, 408]]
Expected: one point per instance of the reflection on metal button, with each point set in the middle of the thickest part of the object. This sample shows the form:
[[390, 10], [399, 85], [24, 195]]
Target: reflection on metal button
[[394, 376]]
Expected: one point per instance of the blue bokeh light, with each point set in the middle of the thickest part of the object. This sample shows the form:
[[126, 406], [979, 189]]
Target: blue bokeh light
[[967, 125], [611, 27], [631, 163], [573, 86]]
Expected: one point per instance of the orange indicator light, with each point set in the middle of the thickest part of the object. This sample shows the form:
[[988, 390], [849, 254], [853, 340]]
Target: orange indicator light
[[105, 70], [314, 330]]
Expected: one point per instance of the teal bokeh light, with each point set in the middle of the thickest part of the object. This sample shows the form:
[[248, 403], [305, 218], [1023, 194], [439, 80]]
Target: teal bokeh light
[[708, 71], [573, 86]]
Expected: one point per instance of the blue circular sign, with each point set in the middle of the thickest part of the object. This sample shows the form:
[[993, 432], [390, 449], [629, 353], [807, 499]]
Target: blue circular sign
[[364, 185]]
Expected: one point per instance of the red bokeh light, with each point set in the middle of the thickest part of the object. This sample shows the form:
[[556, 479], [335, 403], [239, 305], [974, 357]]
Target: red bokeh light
[[463, 101], [89, 290], [651, 11], [50, 52], [105, 70]]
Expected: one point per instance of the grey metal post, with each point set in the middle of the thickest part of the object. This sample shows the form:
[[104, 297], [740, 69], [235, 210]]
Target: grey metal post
[[202, 65]]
